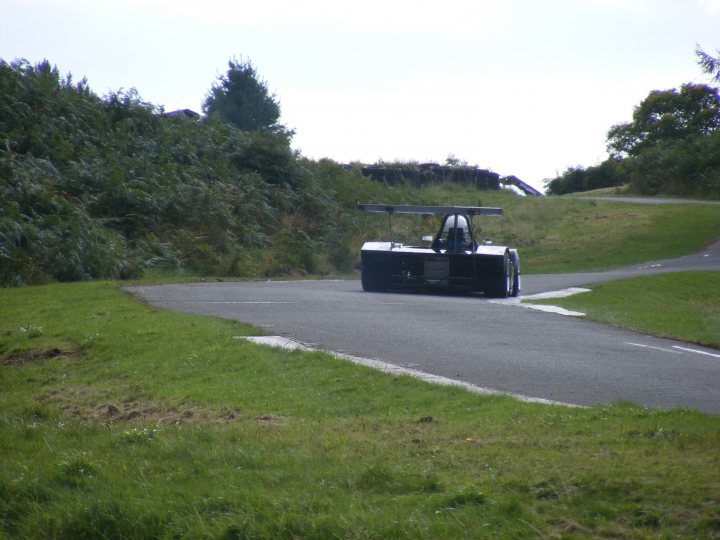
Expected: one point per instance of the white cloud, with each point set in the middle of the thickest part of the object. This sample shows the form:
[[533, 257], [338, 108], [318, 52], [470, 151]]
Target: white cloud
[[711, 6], [369, 14]]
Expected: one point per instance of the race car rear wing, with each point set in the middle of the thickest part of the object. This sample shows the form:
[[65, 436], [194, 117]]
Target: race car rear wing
[[418, 209]]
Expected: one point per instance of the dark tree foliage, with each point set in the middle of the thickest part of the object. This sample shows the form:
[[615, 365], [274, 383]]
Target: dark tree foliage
[[424, 174], [710, 65], [689, 166], [609, 173], [105, 187], [240, 98], [667, 115]]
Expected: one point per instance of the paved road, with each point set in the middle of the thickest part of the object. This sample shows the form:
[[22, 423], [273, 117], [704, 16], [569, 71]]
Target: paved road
[[472, 339], [708, 259]]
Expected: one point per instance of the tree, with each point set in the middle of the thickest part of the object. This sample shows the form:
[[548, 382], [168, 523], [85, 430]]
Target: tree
[[665, 116], [242, 99], [709, 64]]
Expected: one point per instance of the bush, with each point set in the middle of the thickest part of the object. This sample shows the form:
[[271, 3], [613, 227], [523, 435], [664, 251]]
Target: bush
[[291, 251], [104, 187], [609, 173]]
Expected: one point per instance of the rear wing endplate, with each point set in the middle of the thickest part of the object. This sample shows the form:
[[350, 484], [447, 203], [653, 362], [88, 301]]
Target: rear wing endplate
[[419, 209]]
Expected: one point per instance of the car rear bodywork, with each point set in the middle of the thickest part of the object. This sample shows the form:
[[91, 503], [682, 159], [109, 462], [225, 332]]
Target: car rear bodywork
[[454, 261]]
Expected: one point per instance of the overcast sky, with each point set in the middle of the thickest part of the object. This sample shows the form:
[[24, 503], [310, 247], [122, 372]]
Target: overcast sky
[[517, 86]]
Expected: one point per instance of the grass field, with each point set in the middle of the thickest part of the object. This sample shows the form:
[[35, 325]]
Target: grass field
[[682, 305], [121, 421]]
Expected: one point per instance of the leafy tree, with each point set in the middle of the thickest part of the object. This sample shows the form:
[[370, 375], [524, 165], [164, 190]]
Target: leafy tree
[[709, 64], [242, 99], [667, 115], [453, 161]]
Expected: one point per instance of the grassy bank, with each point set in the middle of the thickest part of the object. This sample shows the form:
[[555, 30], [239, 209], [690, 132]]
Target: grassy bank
[[564, 235], [553, 234], [569, 236], [681, 305], [121, 421]]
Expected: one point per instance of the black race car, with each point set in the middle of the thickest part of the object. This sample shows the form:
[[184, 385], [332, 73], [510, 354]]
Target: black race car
[[455, 260]]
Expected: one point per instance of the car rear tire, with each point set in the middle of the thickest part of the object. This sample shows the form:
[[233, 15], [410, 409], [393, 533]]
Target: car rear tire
[[515, 274], [500, 286], [373, 280]]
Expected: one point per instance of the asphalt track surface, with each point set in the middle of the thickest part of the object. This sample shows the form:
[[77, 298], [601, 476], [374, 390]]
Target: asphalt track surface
[[491, 344]]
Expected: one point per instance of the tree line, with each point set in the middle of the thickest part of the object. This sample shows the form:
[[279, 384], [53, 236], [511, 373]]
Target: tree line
[[671, 146]]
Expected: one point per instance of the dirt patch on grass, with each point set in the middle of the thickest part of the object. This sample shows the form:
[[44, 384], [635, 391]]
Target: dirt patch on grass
[[156, 412], [271, 419], [73, 404], [33, 355]]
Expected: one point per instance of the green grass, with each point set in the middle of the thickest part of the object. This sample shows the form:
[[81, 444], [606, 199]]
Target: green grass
[[159, 276], [121, 421], [558, 235], [681, 305], [619, 191]]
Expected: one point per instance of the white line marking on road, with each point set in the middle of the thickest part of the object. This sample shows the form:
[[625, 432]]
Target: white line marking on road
[[301, 280], [696, 351], [564, 293], [651, 347], [552, 309], [232, 302], [276, 341], [392, 369]]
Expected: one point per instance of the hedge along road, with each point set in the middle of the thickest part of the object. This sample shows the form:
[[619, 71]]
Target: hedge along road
[[490, 344]]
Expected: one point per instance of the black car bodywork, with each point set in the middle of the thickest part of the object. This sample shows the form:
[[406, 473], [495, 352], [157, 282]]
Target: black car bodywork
[[454, 261]]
